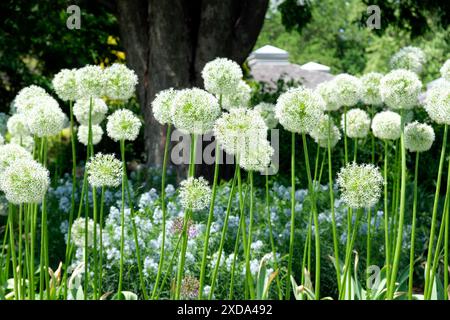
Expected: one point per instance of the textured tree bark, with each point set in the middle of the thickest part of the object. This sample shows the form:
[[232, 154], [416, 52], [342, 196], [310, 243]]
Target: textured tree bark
[[168, 43]]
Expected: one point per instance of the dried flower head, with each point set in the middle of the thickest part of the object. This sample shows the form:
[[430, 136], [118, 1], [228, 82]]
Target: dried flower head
[[322, 130], [65, 85], [162, 104], [177, 227], [348, 89], [358, 123], [267, 112], [98, 110], [409, 58], [437, 103], [400, 89], [83, 134], [239, 98], [120, 82], [221, 76], [189, 288], [386, 125], [123, 125], [419, 137], [371, 88], [104, 170], [90, 81], [195, 193]]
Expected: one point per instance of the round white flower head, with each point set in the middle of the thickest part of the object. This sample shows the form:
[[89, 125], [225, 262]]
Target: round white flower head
[[299, 110], [328, 93], [123, 125], [194, 111], [46, 119], [25, 181], [400, 89], [28, 97], [348, 89], [83, 134], [445, 70], [419, 137], [221, 76], [238, 128], [239, 98], [104, 170], [18, 125], [120, 82], [90, 81], [78, 232], [409, 58], [360, 185], [321, 131], [65, 85], [256, 156], [195, 193], [162, 104], [386, 125], [98, 111], [11, 152], [437, 103], [358, 123], [26, 142], [371, 88], [267, 112]]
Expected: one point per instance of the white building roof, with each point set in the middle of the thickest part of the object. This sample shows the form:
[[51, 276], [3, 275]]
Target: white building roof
[[270, 55], [314, 66]]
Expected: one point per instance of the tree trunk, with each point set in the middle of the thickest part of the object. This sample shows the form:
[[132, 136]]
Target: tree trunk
[[168, 43]]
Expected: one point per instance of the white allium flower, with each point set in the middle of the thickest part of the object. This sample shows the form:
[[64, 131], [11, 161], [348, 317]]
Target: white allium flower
[[104, 170], [267, 111], [221, 76], [90, 81], [123, 125], [299, 110], [12, 152], [348, 89], [65, 85], [437, 103], [238, 128], [409, 58], [321, 131], [360, 185], [161, 105], [26, 142], [256, 156], [371, 88], [386, 125], [400, 89], [328, 93], [419, 137], [25, 181], [239, 98], [27, 98], [120, 82], [195, 193], [445, 70], [194, 111], [358, 123], [98, 111], [18, 125], [78, 232], [83, 134], [46, 119]]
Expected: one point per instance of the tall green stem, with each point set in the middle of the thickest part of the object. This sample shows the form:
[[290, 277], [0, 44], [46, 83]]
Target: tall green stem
[[292, 227], [413, 231], [44, 276], [345, 136], [122, 218], [387, 245]]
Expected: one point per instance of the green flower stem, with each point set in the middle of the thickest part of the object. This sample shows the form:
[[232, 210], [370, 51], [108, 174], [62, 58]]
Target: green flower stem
[[210, 219], [345, 136], [315, 218], [100, 262], [355, 150], [413, 231], [446, 244], [223, 236], [44, 265], [368, 253], [292, 229], [387, 245], [250, 230], [399, 239], [20, 255], [169, 267], [95, 251], [163, 207], [333, 214], [12, 245], [122, 218], [372, 113], [434, 214]]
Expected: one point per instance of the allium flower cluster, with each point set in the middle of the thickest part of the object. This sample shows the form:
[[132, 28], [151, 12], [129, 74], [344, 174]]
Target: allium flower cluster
[[98, 110], [348, 89], [327, 91], [371, 88], [90, 81], [46, 118], [120, 82], [104, 170], [18, 125], [409, 58], [195, 193], [65, 85], [437, 103], [194, 111], [189, 288], [400, 89], [177, 227], [445, 70], [299, 110], [78, 232], [356, 123], [239, 98], [386, 125], [360, 185], [322, 130], [26, 142], [256, 156], [267, 112], [419, 137], [9, 153], [162, 104], [28, 97], [25, 181], [123, 125], [83, 134], [221, 76]]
